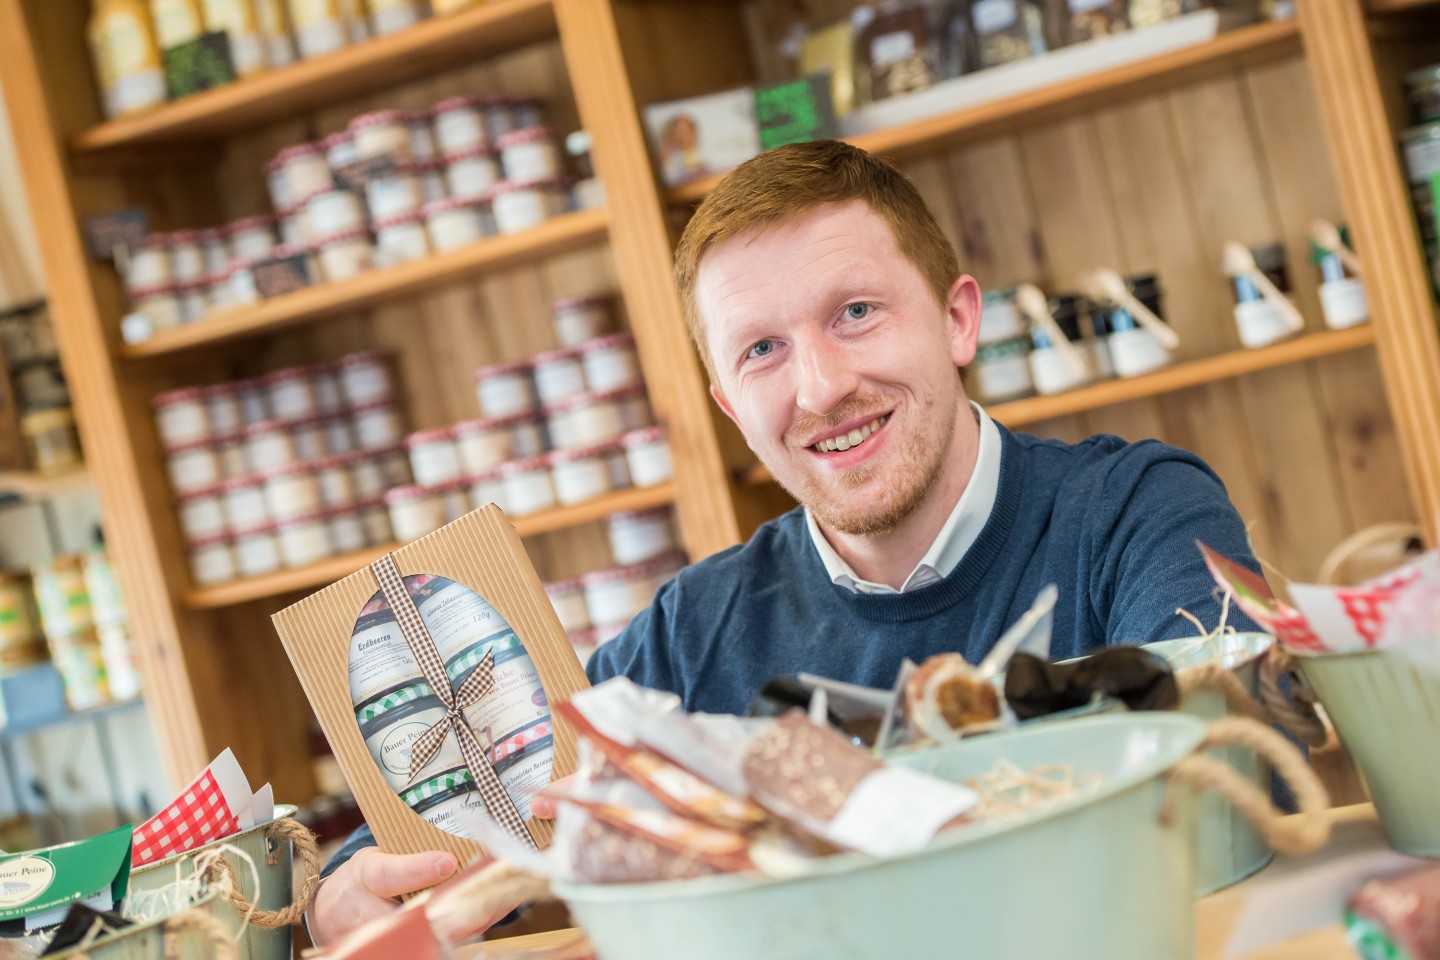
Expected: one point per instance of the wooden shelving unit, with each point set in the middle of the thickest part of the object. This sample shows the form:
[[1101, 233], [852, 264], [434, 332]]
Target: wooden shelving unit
[[31, 485], [551, 238], [328, 571], [1246, 45]]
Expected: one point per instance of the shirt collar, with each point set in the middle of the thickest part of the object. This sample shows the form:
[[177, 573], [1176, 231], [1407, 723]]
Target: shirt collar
[[956, 537]]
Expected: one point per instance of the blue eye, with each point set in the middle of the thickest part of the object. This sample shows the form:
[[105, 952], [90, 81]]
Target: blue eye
[[858, 311], [763, 348]]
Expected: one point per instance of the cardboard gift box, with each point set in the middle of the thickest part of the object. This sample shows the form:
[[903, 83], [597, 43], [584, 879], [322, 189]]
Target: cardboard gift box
[[432, 671]]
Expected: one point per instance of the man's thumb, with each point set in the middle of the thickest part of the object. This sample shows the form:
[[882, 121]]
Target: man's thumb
[[392, 875]]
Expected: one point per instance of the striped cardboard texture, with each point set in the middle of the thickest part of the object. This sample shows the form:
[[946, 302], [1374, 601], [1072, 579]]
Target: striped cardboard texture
[[481, 551]]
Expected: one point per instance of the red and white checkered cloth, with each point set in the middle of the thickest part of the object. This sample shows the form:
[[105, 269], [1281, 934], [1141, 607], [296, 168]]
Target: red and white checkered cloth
[[211, 808]]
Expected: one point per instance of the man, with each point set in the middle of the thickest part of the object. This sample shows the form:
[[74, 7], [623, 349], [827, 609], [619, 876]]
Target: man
[[833, 320]]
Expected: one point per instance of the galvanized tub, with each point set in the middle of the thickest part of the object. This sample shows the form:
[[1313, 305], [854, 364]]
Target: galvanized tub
[[146, 941], [1387, 713], [272, 859], [1097, 878], [1228, 847]]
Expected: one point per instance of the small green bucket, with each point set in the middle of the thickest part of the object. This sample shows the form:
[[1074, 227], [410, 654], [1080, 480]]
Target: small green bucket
[[146, 941], [1387, 713], [272, 859], [1229, 847]]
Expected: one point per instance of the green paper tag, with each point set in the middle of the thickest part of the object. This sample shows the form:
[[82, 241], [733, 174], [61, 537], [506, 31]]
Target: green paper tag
[[40, 880], [1370, 941]]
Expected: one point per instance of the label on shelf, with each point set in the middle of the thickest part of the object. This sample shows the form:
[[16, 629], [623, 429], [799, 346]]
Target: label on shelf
[[275, 278]]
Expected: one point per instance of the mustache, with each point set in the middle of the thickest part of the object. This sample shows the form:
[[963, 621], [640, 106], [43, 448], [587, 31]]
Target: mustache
[[808, 425]]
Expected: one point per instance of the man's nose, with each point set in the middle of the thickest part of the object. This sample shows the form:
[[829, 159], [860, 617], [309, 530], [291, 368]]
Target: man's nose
[[826, 374]]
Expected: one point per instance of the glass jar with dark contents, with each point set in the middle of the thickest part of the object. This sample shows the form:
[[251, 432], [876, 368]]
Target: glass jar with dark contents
[[1133, 349]]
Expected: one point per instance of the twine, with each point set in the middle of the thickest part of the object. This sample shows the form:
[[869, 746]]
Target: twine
[[304, 842], [1306, 831]]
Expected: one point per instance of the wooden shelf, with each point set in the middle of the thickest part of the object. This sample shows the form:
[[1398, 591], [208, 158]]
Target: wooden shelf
[[1183, 376], [1236, 47], [322, 81], [553, 236], [337, 568], [35, 486]]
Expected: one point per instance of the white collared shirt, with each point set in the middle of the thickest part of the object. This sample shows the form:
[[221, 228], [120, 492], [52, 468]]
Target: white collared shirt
[[955, 538]]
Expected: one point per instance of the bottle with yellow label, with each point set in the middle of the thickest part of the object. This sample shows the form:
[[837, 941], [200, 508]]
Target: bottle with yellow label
[[239, 22], [127, 58], [176, 21]]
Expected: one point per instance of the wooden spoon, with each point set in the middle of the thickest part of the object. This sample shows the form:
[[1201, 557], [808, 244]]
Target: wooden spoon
[[1108, 285], [1032, 303], [1327, 235], [1240, 262]]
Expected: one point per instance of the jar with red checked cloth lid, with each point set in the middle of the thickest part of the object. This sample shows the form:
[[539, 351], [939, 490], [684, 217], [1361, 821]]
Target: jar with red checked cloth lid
[[647, 454], [580, 475], [529, 154], [528, 486]]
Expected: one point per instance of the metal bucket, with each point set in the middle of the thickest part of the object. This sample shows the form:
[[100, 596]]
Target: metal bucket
[[1099, 878], [146, 941], [1387, 713], [276, 881], [1228, 847]]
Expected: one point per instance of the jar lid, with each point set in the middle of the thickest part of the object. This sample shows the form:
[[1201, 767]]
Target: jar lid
[[289, 470], [562, 586], [285, 250], [373, 503], [577, 143], [240, 483], [184, 395], [194, 286], [334, 461], [575, 402], [454, 103], [487, 476], [344, 236], [513, 186], [608, 575], [221, 439], [377, 405], [309, 148], [265, 528], [578, 453], [644, 435], [469, 427], [176, 450], [583, 638], [624, 393], [468, 153], [336, 139], [525, 465], [640, 514], [377, 118], [337, 512], [524, 135], [421, 437], [293, 522], [502, 369], [210, 234], [555, 356], [447, 204], [361, 358], [285, 375], [398, 220], [263, 426], [572, 303], [407, 494], [204, 543], [158, 290], [608, 342], [184, 236], [214, 491]]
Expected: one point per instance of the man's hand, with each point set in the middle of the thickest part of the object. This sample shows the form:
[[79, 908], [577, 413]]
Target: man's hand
[[366, 887]]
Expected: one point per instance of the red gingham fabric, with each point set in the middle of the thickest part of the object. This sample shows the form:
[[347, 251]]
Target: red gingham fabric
[[524, 738], [197, 817]]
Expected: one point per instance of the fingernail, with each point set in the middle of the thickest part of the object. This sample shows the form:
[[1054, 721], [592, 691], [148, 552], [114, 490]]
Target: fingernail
[[444, 866]]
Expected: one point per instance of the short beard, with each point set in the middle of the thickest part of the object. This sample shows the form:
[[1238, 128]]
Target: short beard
[[911, 485]]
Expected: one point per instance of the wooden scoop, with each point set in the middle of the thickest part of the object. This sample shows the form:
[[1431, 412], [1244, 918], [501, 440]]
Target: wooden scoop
[[1032, 303], [1240, 262], [1108, 285], [1327, 235]]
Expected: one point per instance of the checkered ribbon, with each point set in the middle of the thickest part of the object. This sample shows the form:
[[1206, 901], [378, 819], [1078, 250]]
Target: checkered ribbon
[[479, 683]]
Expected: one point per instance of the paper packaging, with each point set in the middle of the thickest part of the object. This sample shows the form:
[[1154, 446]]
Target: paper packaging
[[217, 804], [481, 553], [699, 136], [38, 887]]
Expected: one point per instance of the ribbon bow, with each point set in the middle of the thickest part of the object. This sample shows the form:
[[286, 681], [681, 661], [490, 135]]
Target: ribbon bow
[[479, 683]]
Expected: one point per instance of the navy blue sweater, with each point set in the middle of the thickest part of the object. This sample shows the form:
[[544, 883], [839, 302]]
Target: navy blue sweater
[[1112, 524]]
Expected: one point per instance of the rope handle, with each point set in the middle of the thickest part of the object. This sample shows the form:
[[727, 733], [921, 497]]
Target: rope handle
[[1295, 714], [1306, 831], [206, 925], [304, 842]]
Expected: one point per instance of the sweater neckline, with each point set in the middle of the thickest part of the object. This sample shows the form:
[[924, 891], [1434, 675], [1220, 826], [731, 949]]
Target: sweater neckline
[[967, 575]]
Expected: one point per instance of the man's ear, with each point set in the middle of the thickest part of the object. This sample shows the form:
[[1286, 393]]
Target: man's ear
[[963, 313], [723, 403]]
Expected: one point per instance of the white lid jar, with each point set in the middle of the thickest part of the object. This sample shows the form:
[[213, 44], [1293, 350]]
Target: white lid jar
[[482, 445], [1343, 303], [311, 441], [252, 238], [193, 303], [339, 434], [611, 363], [365, 379], [578, 319], [215, 249], [615, 595], [528, 486], [529, 154], [257, 551], [304, 540], [305, 169], [347, 530], [619, 469], [434, 457], [325, 381], [395, 193], [336, 481], [588, 420], [383, 133], [292, 492], [269, 445], [1135, 351], [452, 223], [160, 305], [222, 404], [340, 152], [245, 506], [401, 239], [1051, 370], [193, 466], [211, 560], [182, 417], [277, 185], [345, 256], [376, 520], [1001, 371], [230, 448], [520, 206], [334, 211], [459, 125], [559, 375], [568, 599], [414, 512], [187, 258], [202, 514], [422, 135], [149, 264], [580, 475], [1000, 317], [488, 487], [505, 390], [640, 535], [647, 454], [377, 426], [290, 394], [527, 435], [471, 174]]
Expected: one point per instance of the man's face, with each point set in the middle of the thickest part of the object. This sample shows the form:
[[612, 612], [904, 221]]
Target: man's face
[[823, 336]]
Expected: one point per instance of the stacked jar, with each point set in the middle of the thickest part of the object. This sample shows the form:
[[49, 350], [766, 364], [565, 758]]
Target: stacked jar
[[68, 621], [1000, 370], [287, 469]]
